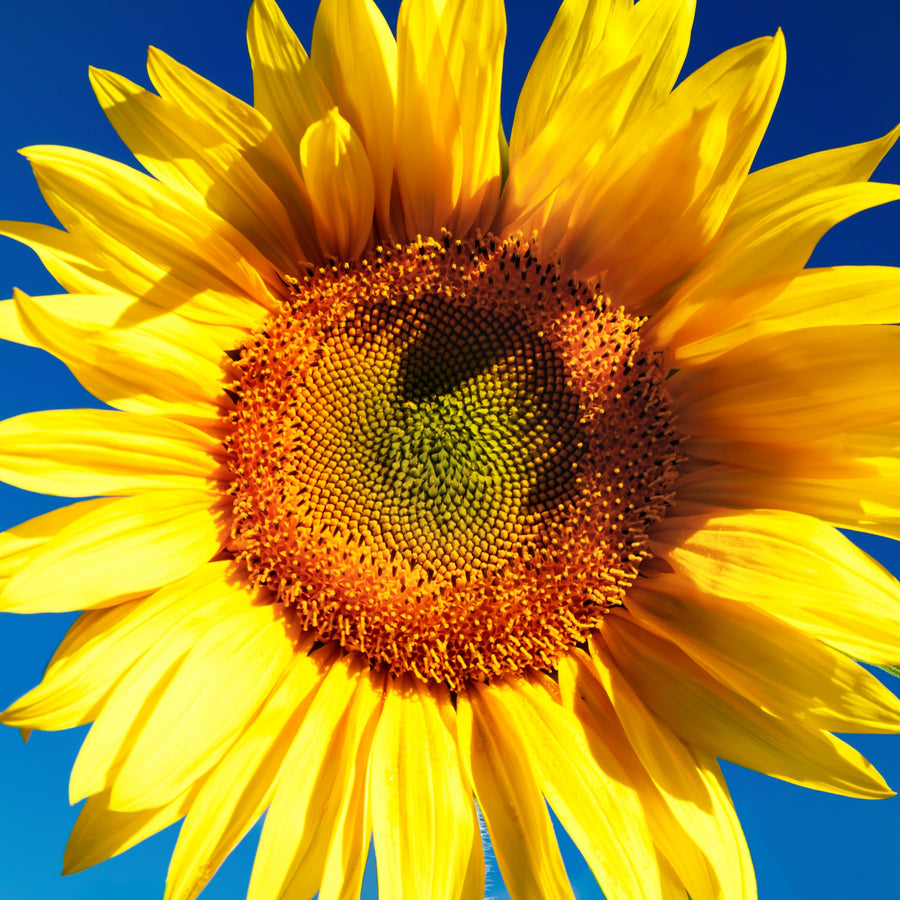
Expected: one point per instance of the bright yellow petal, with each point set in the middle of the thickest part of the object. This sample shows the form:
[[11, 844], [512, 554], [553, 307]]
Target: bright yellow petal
[[632, 68], [139, 369], [355, 53], [158, 243], [708, 715], [100, 833], [814, 298], [689, 811], [333, 738], [509, 795], [215, 148], [242, 784], [118, 552], [447, 158], [799, 386], [421, 809], [655, 203], [754, 259], [341, 189], [86, 452], [102, 645], [587, 788], [577, 31], [97, 312], [793, 567], [861, 504], [287, 89], [762, 658], [191, 609], [17, 544], [202, 711]]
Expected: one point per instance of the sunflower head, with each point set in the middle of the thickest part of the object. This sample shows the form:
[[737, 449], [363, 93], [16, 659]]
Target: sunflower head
[[445, 477]]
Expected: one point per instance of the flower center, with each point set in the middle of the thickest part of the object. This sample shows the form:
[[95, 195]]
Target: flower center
[[447, 458]]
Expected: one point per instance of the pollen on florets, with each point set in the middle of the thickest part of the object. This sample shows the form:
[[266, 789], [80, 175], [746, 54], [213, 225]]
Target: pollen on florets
[[446, 457]]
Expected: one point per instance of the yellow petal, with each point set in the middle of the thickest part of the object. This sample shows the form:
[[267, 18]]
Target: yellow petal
[[837, 594], [190, 608], [600, 89], [69, 259], [510, 799], [201, 712], [587, 788], [861, 504], [355, 53], [865, 453], [85, 452], [799, 386], [100, 833], [215, 148], [773, 664], [287, 89], [19, 542], [814, 298], [776, 244], [118, 552], [694, 152], [706, 714], [137, 369], [447, 159], [158, 243], [102, 645], [241, 786], [421, 809], [577, 31], [341, 189], [97, 312], [332, 739], [689, 811]]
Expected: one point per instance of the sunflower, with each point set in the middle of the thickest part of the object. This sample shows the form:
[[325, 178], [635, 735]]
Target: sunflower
[[446, 478]]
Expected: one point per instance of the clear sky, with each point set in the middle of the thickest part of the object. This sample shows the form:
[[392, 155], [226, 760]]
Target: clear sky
[[843, 86]]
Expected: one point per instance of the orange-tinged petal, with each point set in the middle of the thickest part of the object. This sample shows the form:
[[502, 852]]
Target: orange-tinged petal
[[775, 244], [799, 386], [577, 31], [447, 159], [862, 504], [117, 552], [655, 203], [813, 298], [421, 807]]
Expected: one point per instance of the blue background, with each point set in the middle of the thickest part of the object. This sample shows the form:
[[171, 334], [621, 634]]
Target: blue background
[[843, 86]]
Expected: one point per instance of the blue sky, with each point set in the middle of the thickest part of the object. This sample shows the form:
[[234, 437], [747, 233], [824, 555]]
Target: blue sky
[[843, 86]]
